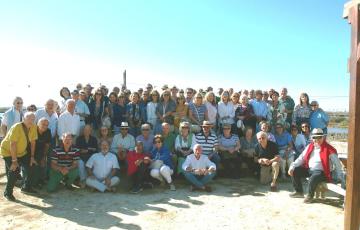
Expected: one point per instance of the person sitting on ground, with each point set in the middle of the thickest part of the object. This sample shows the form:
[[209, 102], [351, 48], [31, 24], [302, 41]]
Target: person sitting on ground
[[248, 143], [229, 146], [208, 142], [146, 138], [102, 170], [314, 162], [318, 117], [199, 170], [16, 151], [267, 155], [298, 141], [161, 165], [88, 145], [265, 127], [184, 144], [41, 151], [123, 142], [285, 147], [138, 168], [64, 164]]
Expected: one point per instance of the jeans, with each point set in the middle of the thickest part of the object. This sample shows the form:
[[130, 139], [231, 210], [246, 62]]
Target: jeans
[[197, 180], [214, 157], [24, 163], [82, 170], [315, 177]]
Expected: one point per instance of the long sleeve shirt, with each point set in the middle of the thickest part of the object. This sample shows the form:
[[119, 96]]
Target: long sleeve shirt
[[319, 119], [226, 112], [127, 143], [68, 123], [260, 108], [202, 163]]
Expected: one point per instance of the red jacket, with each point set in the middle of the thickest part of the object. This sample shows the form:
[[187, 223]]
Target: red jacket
[[131, 157], [325, 151]]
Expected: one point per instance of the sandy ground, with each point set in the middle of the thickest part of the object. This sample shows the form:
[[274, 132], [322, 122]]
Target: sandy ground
[[234, 204]]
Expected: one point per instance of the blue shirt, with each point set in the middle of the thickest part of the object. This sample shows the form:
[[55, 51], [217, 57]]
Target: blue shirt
[[319, 119], [283, 140], [260, 108], [162, 154]]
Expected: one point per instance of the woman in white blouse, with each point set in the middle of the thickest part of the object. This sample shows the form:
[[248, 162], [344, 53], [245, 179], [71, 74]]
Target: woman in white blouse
[[226, 111]]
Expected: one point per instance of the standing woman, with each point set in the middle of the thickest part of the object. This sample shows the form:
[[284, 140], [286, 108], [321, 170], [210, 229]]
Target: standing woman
[[197, 110], [98, 110], [113, 100], [226, 111], [245, 113], [151, 108], [164, 111], [134, 114], [65, 95], [302, 111], [212, 109], [181, 111], [13, 115]]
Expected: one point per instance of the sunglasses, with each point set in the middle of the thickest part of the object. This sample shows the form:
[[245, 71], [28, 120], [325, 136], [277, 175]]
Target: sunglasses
[[19, 103], [316, 138]]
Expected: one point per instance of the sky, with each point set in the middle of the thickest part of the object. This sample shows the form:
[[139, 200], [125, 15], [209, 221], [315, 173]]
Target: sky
[[302, 45]]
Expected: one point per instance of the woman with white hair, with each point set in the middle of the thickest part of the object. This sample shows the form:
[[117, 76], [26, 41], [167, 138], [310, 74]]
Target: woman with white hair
[[12, 115], [184, 144]]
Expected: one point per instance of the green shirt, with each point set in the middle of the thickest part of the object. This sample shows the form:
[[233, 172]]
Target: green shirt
[[169, 141]]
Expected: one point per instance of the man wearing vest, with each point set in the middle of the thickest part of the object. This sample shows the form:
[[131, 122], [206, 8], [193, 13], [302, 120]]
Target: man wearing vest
[[314, 162]]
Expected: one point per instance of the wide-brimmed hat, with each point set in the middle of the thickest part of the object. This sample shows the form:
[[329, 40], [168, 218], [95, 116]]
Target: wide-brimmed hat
[[124, 125], [317, 132], [206, 123]]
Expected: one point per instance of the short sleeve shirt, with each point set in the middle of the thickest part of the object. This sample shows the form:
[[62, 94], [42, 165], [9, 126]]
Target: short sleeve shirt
[[269, 152]]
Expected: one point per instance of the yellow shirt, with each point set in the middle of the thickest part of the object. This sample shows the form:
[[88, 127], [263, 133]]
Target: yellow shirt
[[17, 134]]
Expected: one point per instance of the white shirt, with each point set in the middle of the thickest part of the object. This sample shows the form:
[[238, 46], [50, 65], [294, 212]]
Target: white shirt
[[102, 165], [81, 107], [226, 112], [68, 123], [212, 112], [53, 119], [194, 163], [127, 142]]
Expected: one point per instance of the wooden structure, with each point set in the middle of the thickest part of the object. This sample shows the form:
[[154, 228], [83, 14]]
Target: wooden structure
[[352, 202]]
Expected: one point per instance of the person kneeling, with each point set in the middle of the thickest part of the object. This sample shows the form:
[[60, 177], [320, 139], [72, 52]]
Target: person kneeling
[[102, 168], [64, 165], [199, 170]]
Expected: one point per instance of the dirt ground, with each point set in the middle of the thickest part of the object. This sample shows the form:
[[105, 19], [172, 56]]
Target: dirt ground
[[234, 204]]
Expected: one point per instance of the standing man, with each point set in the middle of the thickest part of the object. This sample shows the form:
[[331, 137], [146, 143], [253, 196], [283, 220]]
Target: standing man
[[318, 118], [69, 121], [102, 168], [18, 149], [64, 164], [260, 107], [81, 108], [288, 103], [13, 115], [314, 162]]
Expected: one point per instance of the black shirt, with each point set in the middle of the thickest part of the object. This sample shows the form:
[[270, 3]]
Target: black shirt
[[42, 140], [91, 145], [269, 152]]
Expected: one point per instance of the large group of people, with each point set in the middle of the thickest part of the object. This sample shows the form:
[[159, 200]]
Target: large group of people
[[156, 136]]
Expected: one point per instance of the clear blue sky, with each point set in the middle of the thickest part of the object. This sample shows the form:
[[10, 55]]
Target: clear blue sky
[[303, 45]]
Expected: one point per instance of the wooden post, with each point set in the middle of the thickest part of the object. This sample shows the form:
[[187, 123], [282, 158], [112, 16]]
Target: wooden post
[[352, 203], [124, 78]]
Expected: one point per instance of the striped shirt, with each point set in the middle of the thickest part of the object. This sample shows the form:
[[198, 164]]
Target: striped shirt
[[207, 143], [198, 112], [65, 159]]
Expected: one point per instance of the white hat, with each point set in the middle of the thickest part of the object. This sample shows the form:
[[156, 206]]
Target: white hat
[[317, 132], [124, 125]]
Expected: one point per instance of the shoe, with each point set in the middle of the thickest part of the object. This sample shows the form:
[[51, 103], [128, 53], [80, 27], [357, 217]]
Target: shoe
[[136, 190], [10, 197], [208, 189], [172, 187], [82, 184], [273, 188], [296, 195], [308, 199], [28, 190], [70, 187]]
